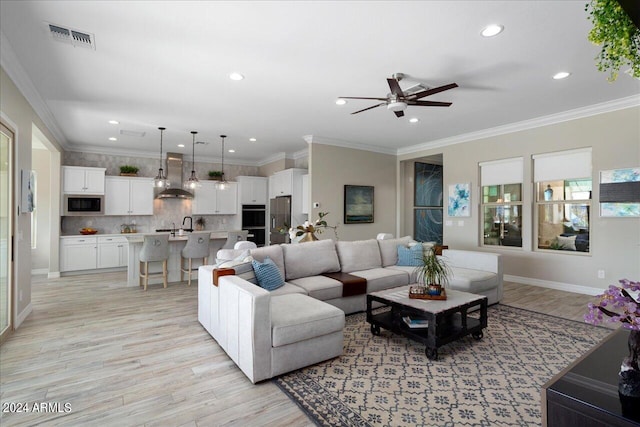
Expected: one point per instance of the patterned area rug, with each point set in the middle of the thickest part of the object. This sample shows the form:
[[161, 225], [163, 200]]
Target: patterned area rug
[[387, 380]]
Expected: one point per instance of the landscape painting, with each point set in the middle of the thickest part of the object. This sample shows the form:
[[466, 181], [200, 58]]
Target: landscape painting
[[358, 204]]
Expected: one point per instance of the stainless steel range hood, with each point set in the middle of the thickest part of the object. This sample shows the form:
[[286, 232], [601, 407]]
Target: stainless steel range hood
[[174, 175]]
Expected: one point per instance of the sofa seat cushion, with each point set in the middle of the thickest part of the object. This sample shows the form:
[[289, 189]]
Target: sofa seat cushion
[[359, 255], [319, 287], [411, 271], [296, 318], [473, 281], [310, 258], [288, 288], [383, 278], [389, 249]]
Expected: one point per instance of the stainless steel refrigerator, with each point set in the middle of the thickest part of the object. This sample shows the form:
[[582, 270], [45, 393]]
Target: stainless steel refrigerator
[[280, 218]]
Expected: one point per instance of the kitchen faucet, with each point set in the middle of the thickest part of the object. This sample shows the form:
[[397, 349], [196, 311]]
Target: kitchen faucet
[[190, 222]]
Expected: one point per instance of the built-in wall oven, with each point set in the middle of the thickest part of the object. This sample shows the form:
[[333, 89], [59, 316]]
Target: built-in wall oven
[[254, 220], [82, 205]]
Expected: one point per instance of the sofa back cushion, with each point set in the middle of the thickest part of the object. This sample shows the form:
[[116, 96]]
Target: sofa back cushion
[[389, 249], [274, 252], [359, 255], [310, 259]]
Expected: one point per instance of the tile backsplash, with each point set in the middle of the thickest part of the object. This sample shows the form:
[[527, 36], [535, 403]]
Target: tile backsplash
[[166, 212]]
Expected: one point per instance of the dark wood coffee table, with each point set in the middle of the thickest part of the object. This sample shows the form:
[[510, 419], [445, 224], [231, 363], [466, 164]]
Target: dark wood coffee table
[[447, 320]]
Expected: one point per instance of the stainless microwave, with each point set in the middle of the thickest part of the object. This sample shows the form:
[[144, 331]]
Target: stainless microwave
[[75, 205]]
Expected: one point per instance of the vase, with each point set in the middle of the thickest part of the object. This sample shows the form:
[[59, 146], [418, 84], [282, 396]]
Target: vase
[[308, 237], [434, 290], [548, 193], [629, 384]]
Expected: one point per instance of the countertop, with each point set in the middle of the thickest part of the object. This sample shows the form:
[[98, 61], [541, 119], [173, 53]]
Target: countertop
[[135, 237]]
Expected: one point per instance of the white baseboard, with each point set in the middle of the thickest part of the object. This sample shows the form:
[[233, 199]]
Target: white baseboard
[[54, 275], [39, 271], [568, 287], [22, 316]]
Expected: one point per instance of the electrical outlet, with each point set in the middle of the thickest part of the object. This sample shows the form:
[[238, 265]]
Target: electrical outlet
[[600, 274]]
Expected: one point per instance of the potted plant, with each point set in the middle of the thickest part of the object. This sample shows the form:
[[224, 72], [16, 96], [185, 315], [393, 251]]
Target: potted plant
[[433, 273], [200, 223], [128, 170], [216, 175]]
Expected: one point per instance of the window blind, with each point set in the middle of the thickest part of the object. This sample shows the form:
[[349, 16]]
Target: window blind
[[500, 172], [562, 165]]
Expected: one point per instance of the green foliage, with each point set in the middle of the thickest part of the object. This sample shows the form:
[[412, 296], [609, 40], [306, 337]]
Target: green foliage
[[215, 174], [619, 37], [128, 169], [433, 271]]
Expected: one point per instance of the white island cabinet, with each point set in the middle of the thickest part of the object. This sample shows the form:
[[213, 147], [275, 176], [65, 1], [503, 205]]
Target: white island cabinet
[[128, 196], [176, 244]]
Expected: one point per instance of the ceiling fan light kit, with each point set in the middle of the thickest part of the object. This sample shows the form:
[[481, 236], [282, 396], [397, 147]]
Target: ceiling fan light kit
[[398, 100]]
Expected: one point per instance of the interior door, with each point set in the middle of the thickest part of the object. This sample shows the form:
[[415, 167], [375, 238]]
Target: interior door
[[6, 226]]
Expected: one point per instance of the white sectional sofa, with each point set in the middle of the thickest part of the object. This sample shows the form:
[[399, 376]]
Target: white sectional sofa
[[299, 324]]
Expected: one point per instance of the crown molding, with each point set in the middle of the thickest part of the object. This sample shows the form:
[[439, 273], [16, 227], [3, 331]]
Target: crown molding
[[10, 63], [565, 116], [300, 154], [312, 139]]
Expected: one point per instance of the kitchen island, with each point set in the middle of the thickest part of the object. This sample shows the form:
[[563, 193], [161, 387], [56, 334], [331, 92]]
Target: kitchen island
[[176, 243]]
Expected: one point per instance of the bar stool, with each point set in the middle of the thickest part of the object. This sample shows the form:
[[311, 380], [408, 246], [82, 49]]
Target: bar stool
[[235, 236], [197, 247], [155, 248]]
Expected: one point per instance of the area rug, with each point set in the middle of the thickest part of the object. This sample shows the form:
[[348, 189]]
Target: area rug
[[387, 380]]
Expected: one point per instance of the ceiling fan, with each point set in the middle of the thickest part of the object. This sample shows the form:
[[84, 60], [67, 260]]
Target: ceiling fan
[[397, 101]]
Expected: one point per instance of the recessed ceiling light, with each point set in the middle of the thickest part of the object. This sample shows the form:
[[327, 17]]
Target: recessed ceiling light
[[252, 139], [181, 145], [341, 102], [236, 76], [492, 30], [414, 120], [113, 139], [114, 122], [232, 151], [561, 75]]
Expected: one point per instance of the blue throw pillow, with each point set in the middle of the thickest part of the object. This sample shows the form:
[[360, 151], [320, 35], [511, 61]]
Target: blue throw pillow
[[267, 273], [410, 257]]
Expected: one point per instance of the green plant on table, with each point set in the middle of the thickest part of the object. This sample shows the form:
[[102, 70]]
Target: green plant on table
[[433, 271]]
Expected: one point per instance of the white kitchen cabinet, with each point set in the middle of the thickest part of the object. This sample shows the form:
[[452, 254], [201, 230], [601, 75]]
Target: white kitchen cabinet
[[82, 180], [208, 200], [285, 182], [128, 196], [253, 190], [78, 253], [113, 251], [305, 194]]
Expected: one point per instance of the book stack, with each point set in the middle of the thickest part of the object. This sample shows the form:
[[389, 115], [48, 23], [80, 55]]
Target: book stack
[[415, 322]]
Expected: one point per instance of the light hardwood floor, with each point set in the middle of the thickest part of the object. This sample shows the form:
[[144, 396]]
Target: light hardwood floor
[[120, 356]]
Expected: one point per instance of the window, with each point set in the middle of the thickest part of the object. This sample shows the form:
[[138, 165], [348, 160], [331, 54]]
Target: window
[[563, 200], [501, 211]]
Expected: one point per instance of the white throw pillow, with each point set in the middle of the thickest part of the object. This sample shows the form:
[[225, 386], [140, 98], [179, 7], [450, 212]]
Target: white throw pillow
[[567, 242]]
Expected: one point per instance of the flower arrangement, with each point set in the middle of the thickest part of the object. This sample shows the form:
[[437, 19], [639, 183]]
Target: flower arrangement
[[313, 227], [617, 297]]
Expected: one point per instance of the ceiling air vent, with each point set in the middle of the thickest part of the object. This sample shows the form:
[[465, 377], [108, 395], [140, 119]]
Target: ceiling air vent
[[73, 37], [132, 133]]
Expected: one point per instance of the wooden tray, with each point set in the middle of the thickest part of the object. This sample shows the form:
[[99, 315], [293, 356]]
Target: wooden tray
[[441, 297]]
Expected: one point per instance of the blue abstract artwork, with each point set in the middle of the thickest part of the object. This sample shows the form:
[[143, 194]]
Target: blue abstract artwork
[[428, 225], [428, 185], [459, 200]]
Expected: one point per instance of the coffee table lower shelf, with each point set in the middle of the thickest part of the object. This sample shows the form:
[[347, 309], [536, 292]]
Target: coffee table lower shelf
[[443, 326]]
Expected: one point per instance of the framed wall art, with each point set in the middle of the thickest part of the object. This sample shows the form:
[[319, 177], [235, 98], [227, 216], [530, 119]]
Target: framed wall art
[[459, 200], [358, 204], [620, 193]]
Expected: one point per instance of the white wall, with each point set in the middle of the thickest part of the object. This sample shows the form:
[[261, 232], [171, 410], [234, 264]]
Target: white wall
[[41, 160], [332, 167], [615, 242]]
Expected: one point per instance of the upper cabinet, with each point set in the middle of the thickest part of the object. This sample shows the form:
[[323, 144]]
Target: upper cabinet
[[208, 200], [285, 182], [252, 189], [128, 196], [82, 180]]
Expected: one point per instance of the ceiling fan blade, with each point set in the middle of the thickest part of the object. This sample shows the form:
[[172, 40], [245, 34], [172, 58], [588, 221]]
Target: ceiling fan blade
[[369, 108], [432, 91], [399, 113], [430, 103], [395, 87], [361, 97]]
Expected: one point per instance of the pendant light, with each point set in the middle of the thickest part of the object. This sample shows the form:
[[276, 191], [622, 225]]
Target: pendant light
[[193, 182], [160, 180], [222, 184]]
